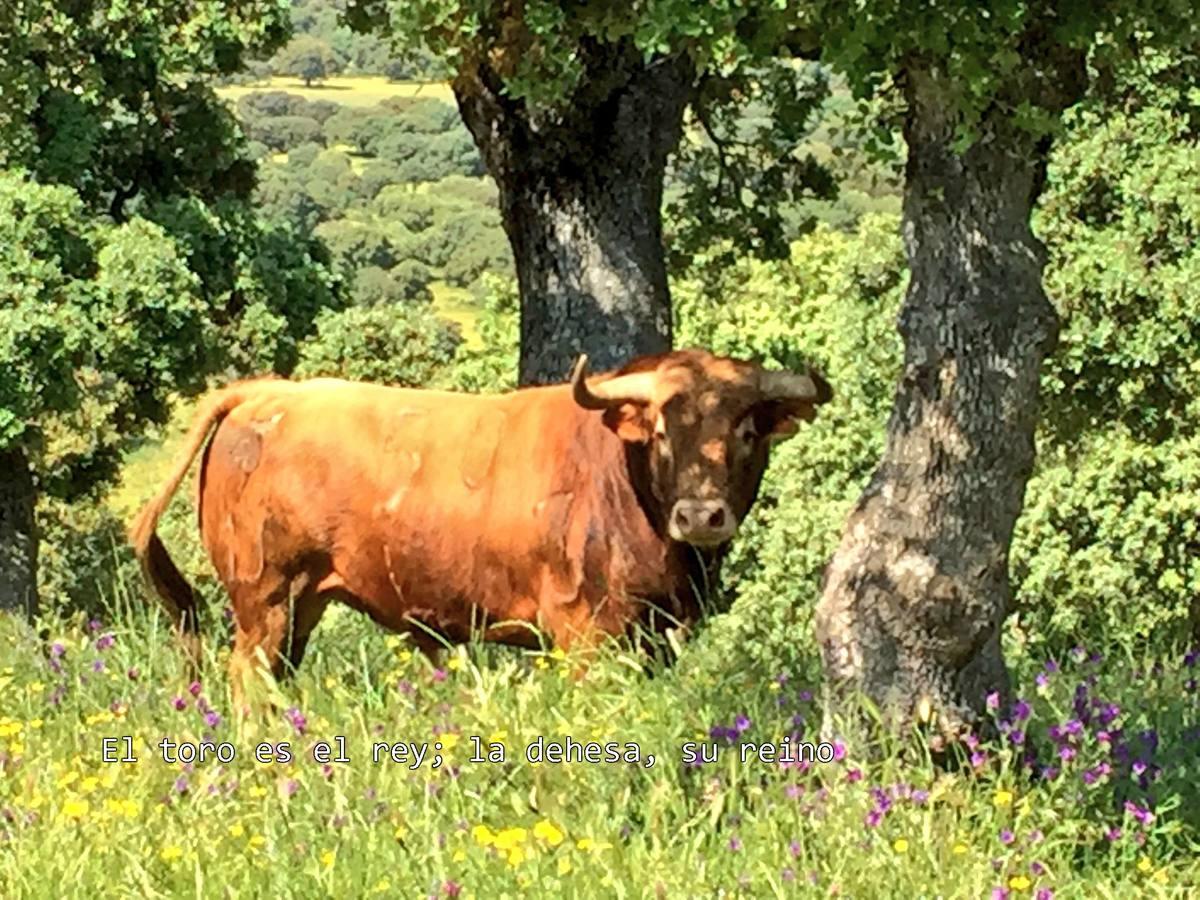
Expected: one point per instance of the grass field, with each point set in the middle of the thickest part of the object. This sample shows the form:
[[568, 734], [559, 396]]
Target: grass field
[[457, 305], [351, 90], [853, 827]]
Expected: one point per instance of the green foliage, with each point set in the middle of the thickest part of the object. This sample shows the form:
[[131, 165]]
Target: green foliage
[[113, 104], [406, 346], [1108, 542], [493, 366], [358, 54], [76, 294], [263, 283], [308, 58], [282, 132], [740, 168]]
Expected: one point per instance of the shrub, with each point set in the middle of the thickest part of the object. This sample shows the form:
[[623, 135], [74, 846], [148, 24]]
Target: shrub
[[406, 345]]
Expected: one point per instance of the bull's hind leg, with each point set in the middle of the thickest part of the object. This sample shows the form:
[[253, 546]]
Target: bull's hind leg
[[275, 616]]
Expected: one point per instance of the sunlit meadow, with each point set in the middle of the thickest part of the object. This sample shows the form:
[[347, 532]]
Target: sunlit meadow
[[1091, 792]]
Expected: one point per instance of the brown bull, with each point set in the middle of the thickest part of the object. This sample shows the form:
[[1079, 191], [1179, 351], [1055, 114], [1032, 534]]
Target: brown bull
[[578, 508]]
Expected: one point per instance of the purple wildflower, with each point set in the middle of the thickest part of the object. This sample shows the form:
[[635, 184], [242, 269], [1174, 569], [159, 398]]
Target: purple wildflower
[[194, 689], [212, 719], [788, 874], [1145, 816], [179, 703], [98, 665], [735, 844], [297, 720], [741, 723], [1044, 893], [451, 888], [993, 700], [104, 642], [1007, 837], [95, 625], [181, 785]]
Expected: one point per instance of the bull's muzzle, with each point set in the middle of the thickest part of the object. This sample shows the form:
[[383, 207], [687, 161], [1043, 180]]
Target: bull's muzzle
[[705, 523]]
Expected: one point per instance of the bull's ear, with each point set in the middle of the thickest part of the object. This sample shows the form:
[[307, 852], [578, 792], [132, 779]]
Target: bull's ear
[[631, 422], [781, 418]]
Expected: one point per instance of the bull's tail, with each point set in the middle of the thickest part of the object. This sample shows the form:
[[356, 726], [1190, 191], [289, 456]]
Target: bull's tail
[[158, 568]]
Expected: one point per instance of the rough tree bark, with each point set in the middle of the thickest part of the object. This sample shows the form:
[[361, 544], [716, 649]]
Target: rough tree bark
[[914, 598], [580, 197], [18, 540]]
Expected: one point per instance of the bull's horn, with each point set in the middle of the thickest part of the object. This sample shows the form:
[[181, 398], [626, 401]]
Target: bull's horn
[[782, 385], [637, 387]]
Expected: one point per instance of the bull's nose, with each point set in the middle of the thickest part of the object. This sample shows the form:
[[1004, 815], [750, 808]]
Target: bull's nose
[[702, 522]]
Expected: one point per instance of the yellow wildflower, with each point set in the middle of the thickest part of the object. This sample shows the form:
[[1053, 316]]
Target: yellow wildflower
[[327, 858], [459, 856], [960, 849], [454, 664], [449, 740], [400, 833], [258, 791], [75, 808], [541, 663], [589, 844], [382, 886], [256, 841], [236, 830], [35, 723], [558, 654], [546, 830], [89, 784], [483, 835], [16, 748], [330, 682], [36, 687], [1144, 864], [900, 845], [498, 737], [1019, 883], [516, 856], [1003, 798], [1160, 876], [170, 854], [564, 866], [510, 838]]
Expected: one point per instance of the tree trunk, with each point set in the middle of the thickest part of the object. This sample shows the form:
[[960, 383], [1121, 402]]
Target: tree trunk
[[18, 540], [914, 598], [580, 197]]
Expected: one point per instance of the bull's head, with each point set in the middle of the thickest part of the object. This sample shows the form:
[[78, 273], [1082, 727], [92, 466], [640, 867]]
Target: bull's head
[[706, 423]]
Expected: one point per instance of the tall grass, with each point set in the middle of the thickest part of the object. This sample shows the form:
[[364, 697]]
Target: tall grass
[[1110, 807]]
